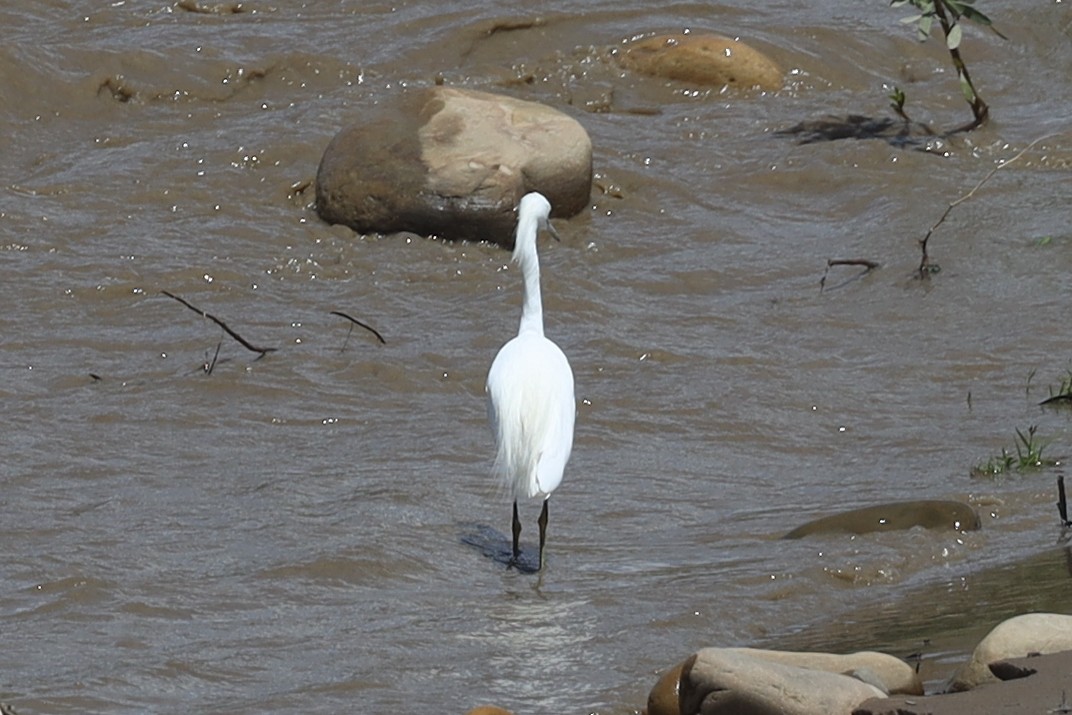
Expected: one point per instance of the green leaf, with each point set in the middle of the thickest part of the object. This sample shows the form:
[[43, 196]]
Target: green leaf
[[897, 98], [911, 19], [952, 40], [925, 27], [975, 16], [966, 89], [981, 19]]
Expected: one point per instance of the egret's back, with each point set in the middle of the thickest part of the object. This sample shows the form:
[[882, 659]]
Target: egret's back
[[531, 409]]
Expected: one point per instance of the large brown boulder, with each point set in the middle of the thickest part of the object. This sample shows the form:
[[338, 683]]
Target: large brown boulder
[[453, 163], [702, 58]]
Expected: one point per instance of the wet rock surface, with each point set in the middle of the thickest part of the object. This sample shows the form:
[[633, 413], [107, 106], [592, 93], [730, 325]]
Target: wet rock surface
[[704, 59], [452, 163], [926, 513]]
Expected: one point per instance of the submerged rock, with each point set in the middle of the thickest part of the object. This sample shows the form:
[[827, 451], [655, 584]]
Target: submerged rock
[[927, 513], [718, 681], [704, 59], [1017, 637], [454, 163]]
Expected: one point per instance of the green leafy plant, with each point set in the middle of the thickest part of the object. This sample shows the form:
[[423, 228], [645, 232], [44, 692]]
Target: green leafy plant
[[897, 100], [949, 14], [1028, 456]]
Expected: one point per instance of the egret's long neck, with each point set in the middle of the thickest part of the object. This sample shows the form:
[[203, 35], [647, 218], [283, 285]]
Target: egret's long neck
[[531, 304]]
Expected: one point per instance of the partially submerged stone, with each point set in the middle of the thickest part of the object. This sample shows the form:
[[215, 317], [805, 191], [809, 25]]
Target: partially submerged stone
[[488, 710], [702, 59], [1017, 637], [926, 513], [663, 699], [719, 681], [453, 163]]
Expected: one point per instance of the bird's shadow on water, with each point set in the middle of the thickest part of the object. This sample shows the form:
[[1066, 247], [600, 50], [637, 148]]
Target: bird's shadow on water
[[499, 547]]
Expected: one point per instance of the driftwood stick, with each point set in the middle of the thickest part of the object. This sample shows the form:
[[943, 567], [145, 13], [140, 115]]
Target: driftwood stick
[[210, 366], [867, 264], [1062, 504], [242, 341], [355, 321]]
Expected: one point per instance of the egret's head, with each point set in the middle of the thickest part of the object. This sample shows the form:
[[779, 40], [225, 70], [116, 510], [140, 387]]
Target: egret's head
[[533, 214]]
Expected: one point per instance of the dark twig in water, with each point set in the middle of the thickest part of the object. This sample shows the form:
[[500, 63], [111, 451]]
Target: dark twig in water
[[242, 341], [355, 321], [211, 365], [917, 657], [868, 265], [1062, 503], [925, 265]]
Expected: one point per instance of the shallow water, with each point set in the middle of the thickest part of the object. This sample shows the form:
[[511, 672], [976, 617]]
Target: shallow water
[[290, 532]]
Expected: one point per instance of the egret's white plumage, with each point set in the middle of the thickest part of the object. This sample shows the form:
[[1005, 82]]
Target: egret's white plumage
[[531, 404]]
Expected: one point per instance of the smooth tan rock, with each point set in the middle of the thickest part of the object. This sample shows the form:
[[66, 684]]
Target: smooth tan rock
[[703, 59], [664, 697], [885, 671], [926, 513], [453, 163], [717, 681], [488, 710], [1017, 637]]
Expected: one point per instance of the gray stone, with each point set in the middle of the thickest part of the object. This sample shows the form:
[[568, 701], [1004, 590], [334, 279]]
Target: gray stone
[[719, 681], [453, 163]]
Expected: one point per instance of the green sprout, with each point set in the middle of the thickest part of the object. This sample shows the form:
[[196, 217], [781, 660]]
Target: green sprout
[[1028, 456]]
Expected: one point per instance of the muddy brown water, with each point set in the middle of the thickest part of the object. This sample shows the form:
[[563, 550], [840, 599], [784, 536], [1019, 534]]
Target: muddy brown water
[[289, 533]]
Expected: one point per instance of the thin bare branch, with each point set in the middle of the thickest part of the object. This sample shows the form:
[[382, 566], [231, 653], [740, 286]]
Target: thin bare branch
[[925, 267], [355, 321], [867, 264], [242, 341]]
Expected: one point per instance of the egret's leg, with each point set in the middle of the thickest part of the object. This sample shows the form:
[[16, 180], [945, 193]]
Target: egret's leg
[[543, 529], [517, 533]]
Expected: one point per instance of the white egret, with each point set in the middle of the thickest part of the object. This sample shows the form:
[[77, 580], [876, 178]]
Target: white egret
[[531, 406]]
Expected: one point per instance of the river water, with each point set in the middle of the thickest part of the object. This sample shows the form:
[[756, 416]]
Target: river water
[[292, 533]]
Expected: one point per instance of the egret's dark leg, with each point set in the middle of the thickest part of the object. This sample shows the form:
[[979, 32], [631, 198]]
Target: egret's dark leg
[[543, 529], [517, 534]]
